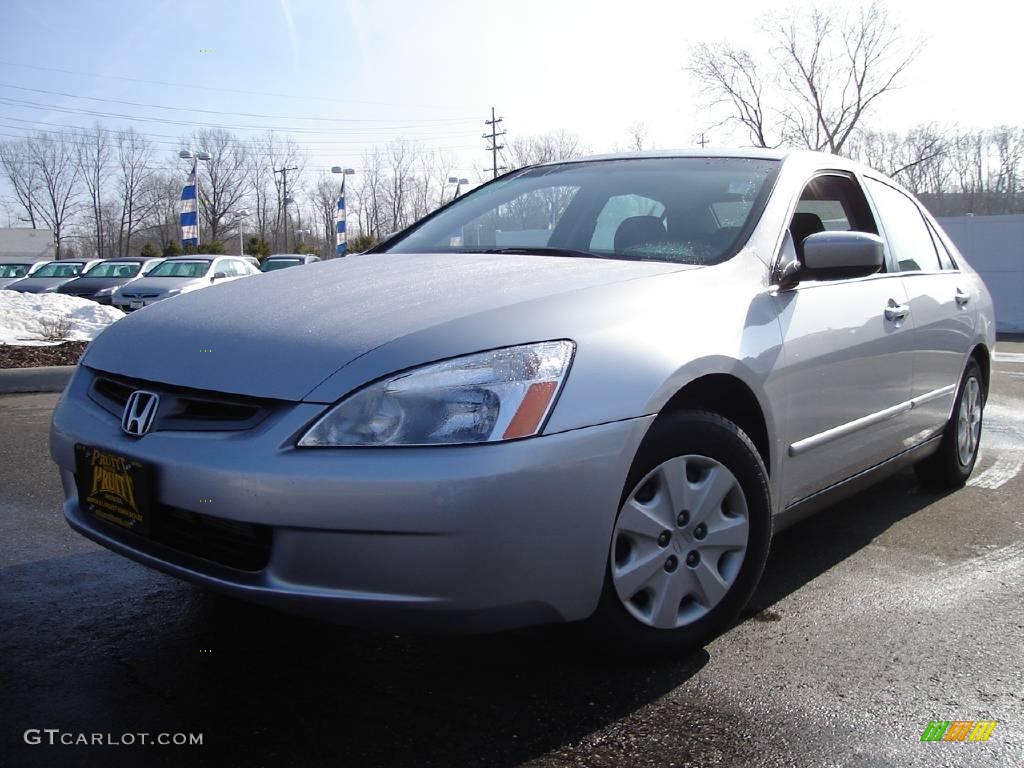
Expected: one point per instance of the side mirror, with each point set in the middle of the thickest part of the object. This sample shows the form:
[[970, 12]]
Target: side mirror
[[836, 255], [218, 276]]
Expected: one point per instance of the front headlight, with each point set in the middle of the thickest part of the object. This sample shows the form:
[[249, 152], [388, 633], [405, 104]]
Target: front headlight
[[483, 398], [105, 292]]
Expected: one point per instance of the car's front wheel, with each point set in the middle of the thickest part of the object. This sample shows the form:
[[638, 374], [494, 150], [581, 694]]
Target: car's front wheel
[[691, 536]]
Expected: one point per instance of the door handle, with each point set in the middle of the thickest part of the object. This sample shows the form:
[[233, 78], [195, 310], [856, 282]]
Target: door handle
[[962, 297], [895, 311]]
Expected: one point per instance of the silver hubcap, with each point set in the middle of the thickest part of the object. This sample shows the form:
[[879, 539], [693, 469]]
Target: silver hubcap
[[679, 541], [968, 426]]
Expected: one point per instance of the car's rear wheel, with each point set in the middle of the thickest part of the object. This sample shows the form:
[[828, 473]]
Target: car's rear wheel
[[952, 464], [691, 536]]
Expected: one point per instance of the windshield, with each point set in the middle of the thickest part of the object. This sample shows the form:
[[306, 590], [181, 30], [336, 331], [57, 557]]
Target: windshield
[[271, 264], [114, 269], [180, 269], [58, 269], [14, 270], [686, 210]]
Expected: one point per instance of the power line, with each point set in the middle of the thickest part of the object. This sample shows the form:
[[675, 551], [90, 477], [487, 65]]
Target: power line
[[493, 138], [407, 122], [194, 123], [179, 138], [196, 86]]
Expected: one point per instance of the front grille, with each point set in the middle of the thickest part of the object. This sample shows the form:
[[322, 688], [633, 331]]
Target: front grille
[[243, 546], [139, 295], [182, 408]]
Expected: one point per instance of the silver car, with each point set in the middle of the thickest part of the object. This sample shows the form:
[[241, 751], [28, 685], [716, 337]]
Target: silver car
[[588, 390], [177, 275]]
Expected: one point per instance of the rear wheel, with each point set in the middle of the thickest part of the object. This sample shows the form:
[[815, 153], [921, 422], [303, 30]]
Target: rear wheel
[[691, 537], [952, 464]]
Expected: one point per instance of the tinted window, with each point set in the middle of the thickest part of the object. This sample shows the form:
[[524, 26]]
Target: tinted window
[[13, 270], [58, 269], [271, 264], [114, 269], [181, 269], [905, 229], [945, 257], [687, 210]]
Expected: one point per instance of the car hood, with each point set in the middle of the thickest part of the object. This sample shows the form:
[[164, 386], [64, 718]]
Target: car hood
[[39, 284], [280, 334], [89, 285], [160, 285]]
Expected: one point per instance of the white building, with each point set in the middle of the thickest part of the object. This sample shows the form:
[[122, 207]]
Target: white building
[[36, 244]]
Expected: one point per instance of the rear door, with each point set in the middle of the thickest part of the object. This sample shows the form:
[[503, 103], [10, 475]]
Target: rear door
[[940, 305], [848, 353]]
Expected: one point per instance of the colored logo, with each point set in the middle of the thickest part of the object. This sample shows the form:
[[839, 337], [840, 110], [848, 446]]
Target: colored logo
[[958, 730]]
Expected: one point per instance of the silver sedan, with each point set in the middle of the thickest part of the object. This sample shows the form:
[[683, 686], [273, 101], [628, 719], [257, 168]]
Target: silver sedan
[[588, 390]]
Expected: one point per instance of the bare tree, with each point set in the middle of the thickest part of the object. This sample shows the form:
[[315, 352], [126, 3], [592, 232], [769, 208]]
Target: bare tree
[[728, 77], [94, 156], [161, 196], [543, 148], [22, 175], [812, 89], [638, 137], [224, 177], [55, 196], [135, 169]]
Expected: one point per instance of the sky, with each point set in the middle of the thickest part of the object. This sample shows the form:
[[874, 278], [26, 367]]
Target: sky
[[372, 70]]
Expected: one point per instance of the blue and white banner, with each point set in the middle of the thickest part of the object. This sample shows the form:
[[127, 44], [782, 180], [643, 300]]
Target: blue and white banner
[[339, 221], [189, 212]]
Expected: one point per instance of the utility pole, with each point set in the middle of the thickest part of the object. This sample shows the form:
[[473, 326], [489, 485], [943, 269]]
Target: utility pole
[[493, 138], [702, 141], [284, 198]]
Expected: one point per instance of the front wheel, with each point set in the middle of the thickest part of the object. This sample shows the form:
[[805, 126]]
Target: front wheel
[[691, 536], [952, 464]]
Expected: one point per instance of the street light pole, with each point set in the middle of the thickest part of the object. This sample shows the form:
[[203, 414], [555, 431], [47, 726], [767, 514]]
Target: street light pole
[[284, 198], [239, 218]]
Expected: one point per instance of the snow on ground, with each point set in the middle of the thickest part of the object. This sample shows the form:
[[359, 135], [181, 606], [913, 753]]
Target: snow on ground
[[20, 314]]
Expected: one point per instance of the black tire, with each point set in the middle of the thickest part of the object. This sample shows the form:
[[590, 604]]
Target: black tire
[[681, 434], [944, 470]]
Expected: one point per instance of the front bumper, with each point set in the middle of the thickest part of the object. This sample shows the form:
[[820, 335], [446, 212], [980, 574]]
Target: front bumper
[[458, 538]]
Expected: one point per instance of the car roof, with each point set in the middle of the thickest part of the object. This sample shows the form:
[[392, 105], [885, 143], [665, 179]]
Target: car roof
[[196, 257], [743, 153]]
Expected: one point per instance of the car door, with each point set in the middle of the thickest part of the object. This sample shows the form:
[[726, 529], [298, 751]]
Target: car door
[[847, 352], [939, 305]]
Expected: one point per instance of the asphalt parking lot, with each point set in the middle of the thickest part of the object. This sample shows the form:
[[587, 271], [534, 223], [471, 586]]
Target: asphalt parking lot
[[880, 614]]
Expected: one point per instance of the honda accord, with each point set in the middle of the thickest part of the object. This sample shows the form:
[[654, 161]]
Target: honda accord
[[585, 391]]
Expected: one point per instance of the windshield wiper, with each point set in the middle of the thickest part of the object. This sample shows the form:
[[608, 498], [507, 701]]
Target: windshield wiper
[[543, 250]]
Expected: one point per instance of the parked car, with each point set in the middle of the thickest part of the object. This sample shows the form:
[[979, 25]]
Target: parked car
[[284, 260], [588, 390], [102, 279], [51, 276], [252, 260], [13, 269], [177, 275]]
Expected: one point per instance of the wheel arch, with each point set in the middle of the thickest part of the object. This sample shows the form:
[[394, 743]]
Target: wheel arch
[[729, 396], [981, 354]]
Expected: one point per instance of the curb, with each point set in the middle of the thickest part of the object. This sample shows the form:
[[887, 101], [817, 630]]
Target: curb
[[51, 378]]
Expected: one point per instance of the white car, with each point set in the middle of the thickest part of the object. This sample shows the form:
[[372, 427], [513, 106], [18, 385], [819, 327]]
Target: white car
[[180, 274]]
